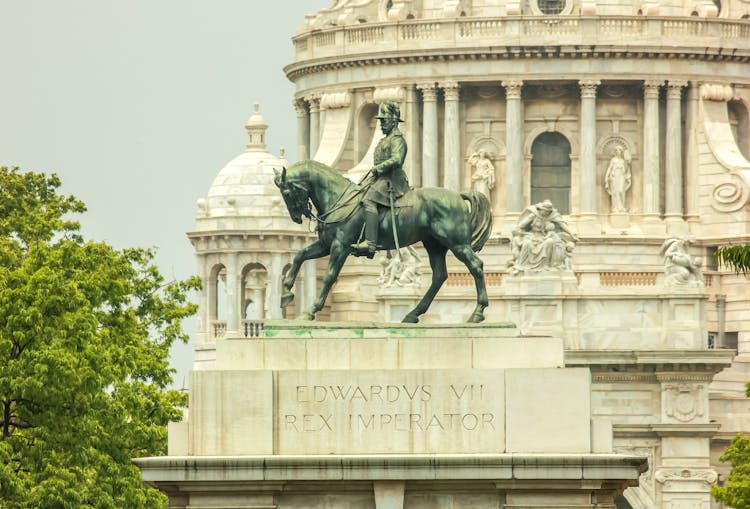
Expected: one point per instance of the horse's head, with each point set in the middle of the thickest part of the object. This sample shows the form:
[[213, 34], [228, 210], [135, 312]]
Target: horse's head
[[295, 196]]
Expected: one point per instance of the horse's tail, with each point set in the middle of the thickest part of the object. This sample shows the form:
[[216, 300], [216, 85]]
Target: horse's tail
[[481, 218]]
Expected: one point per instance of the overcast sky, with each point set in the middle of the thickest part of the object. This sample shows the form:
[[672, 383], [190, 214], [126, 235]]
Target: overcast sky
[[138, 104]]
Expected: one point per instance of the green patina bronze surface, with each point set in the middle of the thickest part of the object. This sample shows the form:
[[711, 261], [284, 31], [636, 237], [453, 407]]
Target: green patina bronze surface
[[441, 219]]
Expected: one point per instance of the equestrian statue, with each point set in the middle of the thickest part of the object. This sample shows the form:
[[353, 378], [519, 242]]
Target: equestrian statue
[[381, 213]]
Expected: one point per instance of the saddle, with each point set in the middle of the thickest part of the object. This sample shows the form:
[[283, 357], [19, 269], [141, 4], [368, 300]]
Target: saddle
[[352, 197]]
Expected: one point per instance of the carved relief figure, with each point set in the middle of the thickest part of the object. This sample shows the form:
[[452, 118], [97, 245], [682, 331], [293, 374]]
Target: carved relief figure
[[618, 178], [401, 270], [680, 267], [482, 173], [541, 241]]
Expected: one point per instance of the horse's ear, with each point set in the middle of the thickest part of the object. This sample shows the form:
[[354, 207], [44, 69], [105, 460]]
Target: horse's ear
[[283, 175], [278, 177]]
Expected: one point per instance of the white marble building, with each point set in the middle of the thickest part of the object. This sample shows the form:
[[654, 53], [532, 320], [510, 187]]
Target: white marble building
[[631, 116]]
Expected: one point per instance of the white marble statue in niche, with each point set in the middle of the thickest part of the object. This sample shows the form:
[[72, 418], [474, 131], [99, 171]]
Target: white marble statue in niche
[[617, 179], [482, 173], [541, 241], [401, 270], [679, 266]]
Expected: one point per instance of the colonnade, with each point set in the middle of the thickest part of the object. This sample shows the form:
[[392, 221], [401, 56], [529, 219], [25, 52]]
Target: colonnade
[[587, 208]]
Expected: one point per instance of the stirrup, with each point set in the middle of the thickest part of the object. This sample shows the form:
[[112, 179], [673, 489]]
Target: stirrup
[[364, 248]]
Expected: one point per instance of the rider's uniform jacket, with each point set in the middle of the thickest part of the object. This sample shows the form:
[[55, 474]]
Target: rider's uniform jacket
[[388, 170]]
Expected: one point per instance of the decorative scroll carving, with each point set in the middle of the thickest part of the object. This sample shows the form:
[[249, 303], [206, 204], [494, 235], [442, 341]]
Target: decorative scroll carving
[[336, 100], [397, 94], [588, 88], [429, 91], [513, 89], [687, 474], [717, 92]]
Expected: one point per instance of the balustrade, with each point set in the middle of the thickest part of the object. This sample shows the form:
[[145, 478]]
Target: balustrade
[[522, 30]]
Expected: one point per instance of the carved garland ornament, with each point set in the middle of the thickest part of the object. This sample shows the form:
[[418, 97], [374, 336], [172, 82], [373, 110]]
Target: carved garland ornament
[[707, 476]]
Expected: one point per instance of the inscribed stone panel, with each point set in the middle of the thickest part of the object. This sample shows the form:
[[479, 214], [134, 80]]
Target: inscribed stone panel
[[412, 411]]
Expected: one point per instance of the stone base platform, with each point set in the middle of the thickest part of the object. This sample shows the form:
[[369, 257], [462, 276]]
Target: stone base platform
[[481, 481], [383, 416]]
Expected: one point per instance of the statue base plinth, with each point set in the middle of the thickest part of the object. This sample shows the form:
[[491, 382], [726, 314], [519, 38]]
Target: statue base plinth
[[619, 220]]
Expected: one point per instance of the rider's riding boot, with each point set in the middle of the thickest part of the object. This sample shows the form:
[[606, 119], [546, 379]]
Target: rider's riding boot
[[368, 246]]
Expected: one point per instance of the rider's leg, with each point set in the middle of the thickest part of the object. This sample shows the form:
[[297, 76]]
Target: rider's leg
[[370, 244]]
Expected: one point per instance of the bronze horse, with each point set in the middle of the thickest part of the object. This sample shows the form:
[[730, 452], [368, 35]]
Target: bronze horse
[[442, 219]]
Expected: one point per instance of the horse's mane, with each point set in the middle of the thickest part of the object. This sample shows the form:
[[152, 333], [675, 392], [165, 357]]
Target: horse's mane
[[303, 169]]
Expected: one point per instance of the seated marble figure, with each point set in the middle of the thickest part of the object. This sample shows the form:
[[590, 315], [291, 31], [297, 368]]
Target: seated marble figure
[[541, 241]]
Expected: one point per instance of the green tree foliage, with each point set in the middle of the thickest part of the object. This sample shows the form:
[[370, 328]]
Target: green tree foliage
[[736, 490], [85, 331], [735, 257]]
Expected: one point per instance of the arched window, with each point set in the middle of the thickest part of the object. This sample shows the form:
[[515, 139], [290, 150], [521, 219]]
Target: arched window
[[550, 170], [254, 283]]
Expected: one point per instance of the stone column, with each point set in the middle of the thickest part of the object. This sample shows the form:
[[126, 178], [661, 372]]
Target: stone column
[[673, 206], [651, 160], [429, 135], [204, 308], [414, 154], [691, 153], [274, 287], [310, 283], [452, 137], [513, 147], [588, 191], [303, 130], [233, 294], [314, 102]]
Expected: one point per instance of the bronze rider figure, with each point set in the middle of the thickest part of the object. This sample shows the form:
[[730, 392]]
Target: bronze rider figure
[[386, 176]]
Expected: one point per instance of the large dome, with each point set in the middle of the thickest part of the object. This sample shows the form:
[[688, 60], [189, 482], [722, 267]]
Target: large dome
[[243, 195]]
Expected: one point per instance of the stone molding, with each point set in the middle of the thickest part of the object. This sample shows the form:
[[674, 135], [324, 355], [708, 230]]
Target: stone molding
[[619, 377], [682, 377], [512, 89], [451, 90], [397, 94], [335, 100], [683, 402], [588, 88], [716, 92], [429, 91], [664, 475]]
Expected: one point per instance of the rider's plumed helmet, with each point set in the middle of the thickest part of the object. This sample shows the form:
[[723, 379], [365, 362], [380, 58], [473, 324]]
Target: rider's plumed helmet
[[389, 109]]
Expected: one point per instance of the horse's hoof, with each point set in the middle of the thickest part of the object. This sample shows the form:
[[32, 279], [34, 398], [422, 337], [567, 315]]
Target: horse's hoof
[[286, 299], [476, 317], [306, 316], [410, 319]]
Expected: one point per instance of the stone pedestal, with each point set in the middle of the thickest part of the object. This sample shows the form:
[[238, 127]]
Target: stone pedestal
[[391, 416]]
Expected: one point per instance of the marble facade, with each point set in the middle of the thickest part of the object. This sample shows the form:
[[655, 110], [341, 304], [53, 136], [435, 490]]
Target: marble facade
[[549, 97]]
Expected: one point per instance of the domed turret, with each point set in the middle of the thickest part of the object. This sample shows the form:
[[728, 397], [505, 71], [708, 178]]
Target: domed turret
[[244, 241]]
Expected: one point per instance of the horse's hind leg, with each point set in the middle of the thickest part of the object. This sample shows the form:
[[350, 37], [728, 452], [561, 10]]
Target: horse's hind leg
[[476, 267], [436, 252]]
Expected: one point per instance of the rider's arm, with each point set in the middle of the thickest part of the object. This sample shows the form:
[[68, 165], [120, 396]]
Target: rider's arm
[[398, 156]]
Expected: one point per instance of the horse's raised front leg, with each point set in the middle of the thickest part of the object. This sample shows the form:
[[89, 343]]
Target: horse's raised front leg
[[339, 252], [476, 267], [315, 250], [436, 252]]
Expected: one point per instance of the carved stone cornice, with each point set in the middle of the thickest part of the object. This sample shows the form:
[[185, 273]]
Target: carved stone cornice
[[683, 377], [512, 88], [708, 476], [621, 377], [306, 67], [674, 88], [651, 88], [429, 91], [588, 88], [451, 90]]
